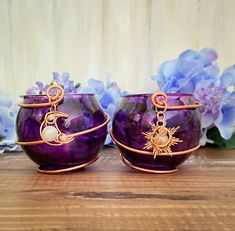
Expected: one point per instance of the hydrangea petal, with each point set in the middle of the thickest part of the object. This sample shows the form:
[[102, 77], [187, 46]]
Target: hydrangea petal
[[40, 86], [189, 55], [110, 110], [97, 85], [208, 56], [226, 123], [206, 120], [212, 72], [56, 76], [168, 68], [225, 132], [228, 77], [106, 99], [203, 84]]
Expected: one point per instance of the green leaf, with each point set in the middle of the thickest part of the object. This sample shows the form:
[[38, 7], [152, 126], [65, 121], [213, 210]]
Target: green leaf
[[229, 144], [2, 137], [77, 85], [214, 134]]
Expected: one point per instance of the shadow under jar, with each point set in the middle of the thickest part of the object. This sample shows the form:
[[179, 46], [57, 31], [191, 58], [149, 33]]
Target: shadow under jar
[[136, 116], [85, 126]]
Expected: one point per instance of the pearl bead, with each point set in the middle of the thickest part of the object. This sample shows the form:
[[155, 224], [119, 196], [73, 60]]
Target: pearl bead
[[51, 117], [49, 133], [162, 140], [62, 137]]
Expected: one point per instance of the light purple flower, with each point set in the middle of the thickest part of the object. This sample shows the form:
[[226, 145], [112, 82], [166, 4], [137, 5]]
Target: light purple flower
[[210, 96]]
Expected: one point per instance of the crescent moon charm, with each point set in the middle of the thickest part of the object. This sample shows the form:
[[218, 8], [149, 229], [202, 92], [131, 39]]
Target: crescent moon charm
[[49, 130]]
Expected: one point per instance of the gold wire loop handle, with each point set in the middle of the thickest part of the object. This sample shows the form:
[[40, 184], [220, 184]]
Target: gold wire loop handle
[[159, 100], [49, 130], [54, 99]]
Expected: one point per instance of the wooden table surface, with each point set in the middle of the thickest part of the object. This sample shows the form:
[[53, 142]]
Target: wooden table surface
[[107, 195]]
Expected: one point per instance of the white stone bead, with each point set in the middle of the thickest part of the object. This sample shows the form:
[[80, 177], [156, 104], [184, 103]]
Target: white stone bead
[[162, 140], [49, 133], [51, 117]]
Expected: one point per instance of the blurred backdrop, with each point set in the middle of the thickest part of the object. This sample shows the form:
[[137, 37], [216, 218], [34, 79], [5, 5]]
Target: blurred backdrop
[[126, 38]]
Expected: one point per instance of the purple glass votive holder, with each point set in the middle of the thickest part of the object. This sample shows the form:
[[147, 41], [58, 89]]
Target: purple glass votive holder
[[84, 113], [132, 120]]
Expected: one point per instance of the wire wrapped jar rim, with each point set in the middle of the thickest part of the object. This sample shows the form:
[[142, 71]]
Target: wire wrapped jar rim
[[194, 105], [67, 94]]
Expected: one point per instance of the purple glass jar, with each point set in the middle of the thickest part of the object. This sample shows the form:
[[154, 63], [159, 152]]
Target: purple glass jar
[[84, 114], [132, 121]]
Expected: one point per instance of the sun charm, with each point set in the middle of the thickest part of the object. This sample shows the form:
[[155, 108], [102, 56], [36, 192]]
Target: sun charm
[[160, 139]]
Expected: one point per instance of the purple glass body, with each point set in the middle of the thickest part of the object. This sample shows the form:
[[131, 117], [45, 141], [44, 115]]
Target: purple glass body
[[132, 117], [84, 112]]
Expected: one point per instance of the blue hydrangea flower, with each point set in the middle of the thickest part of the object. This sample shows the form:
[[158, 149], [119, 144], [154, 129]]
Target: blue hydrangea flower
[[65, 81], [225, 122], [59, 79], [38, 89], [218, 103], [108, 94], [182, 75], [8, 112], [197, 73]]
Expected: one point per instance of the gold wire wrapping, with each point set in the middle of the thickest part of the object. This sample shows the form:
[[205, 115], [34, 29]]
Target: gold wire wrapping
[[160, 138], [53, 99], [51, 117]]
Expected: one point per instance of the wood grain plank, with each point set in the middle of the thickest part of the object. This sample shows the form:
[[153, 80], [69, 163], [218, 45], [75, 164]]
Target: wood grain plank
[[200, 196]]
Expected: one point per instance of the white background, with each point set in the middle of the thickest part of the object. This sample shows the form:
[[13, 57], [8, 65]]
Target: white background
[[125, 38]]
